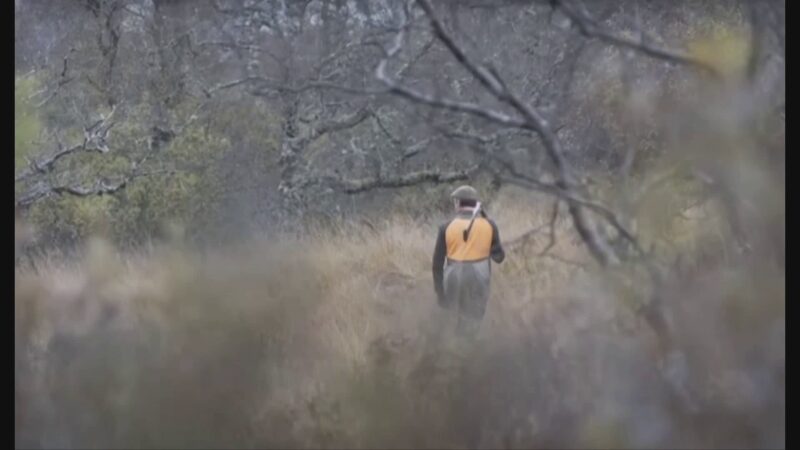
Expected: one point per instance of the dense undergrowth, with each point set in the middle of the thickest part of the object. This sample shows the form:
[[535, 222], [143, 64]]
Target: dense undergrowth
[[335, 340]]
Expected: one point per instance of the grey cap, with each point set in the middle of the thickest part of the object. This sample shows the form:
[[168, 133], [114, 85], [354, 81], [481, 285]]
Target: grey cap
[[465, 193]]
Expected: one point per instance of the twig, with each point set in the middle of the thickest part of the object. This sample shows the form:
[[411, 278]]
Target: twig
[[553, 219], [523, 238]]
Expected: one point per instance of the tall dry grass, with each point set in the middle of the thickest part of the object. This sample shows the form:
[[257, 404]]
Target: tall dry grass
[[335, 340]]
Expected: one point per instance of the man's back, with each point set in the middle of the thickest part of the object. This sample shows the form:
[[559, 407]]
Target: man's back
[[479, 240], [461, 260], [461, 264]]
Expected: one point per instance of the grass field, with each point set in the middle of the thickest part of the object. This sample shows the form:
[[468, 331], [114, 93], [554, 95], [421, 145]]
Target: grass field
[[335, 340]]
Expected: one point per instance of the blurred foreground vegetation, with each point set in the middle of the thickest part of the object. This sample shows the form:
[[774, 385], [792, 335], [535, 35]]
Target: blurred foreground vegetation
[[335, 341]]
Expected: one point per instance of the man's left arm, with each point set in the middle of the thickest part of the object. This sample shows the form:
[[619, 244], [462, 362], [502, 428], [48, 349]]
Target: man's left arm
[[497, 252]]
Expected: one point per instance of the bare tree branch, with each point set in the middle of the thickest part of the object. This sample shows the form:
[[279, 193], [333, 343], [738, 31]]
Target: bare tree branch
[[44, 189], [532, 120], [561, 259], [395, 141], [494, 4], [576, 201], [591, 29], [98, 188], [462, 107], [482, 74], [425, 48], [414, 95], [409, 179], [569, 196], [347, 122], [489, 78], [266, 85], [414, 149], [94, 141], [523, 238]]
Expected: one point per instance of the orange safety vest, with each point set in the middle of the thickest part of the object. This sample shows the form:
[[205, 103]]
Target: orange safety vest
[[478, 244]]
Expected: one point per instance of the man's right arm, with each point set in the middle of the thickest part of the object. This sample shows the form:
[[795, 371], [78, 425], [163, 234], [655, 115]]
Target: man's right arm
[[439, 254]]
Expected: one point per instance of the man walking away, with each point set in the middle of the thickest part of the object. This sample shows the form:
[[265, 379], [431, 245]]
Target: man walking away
[[461, 260]]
